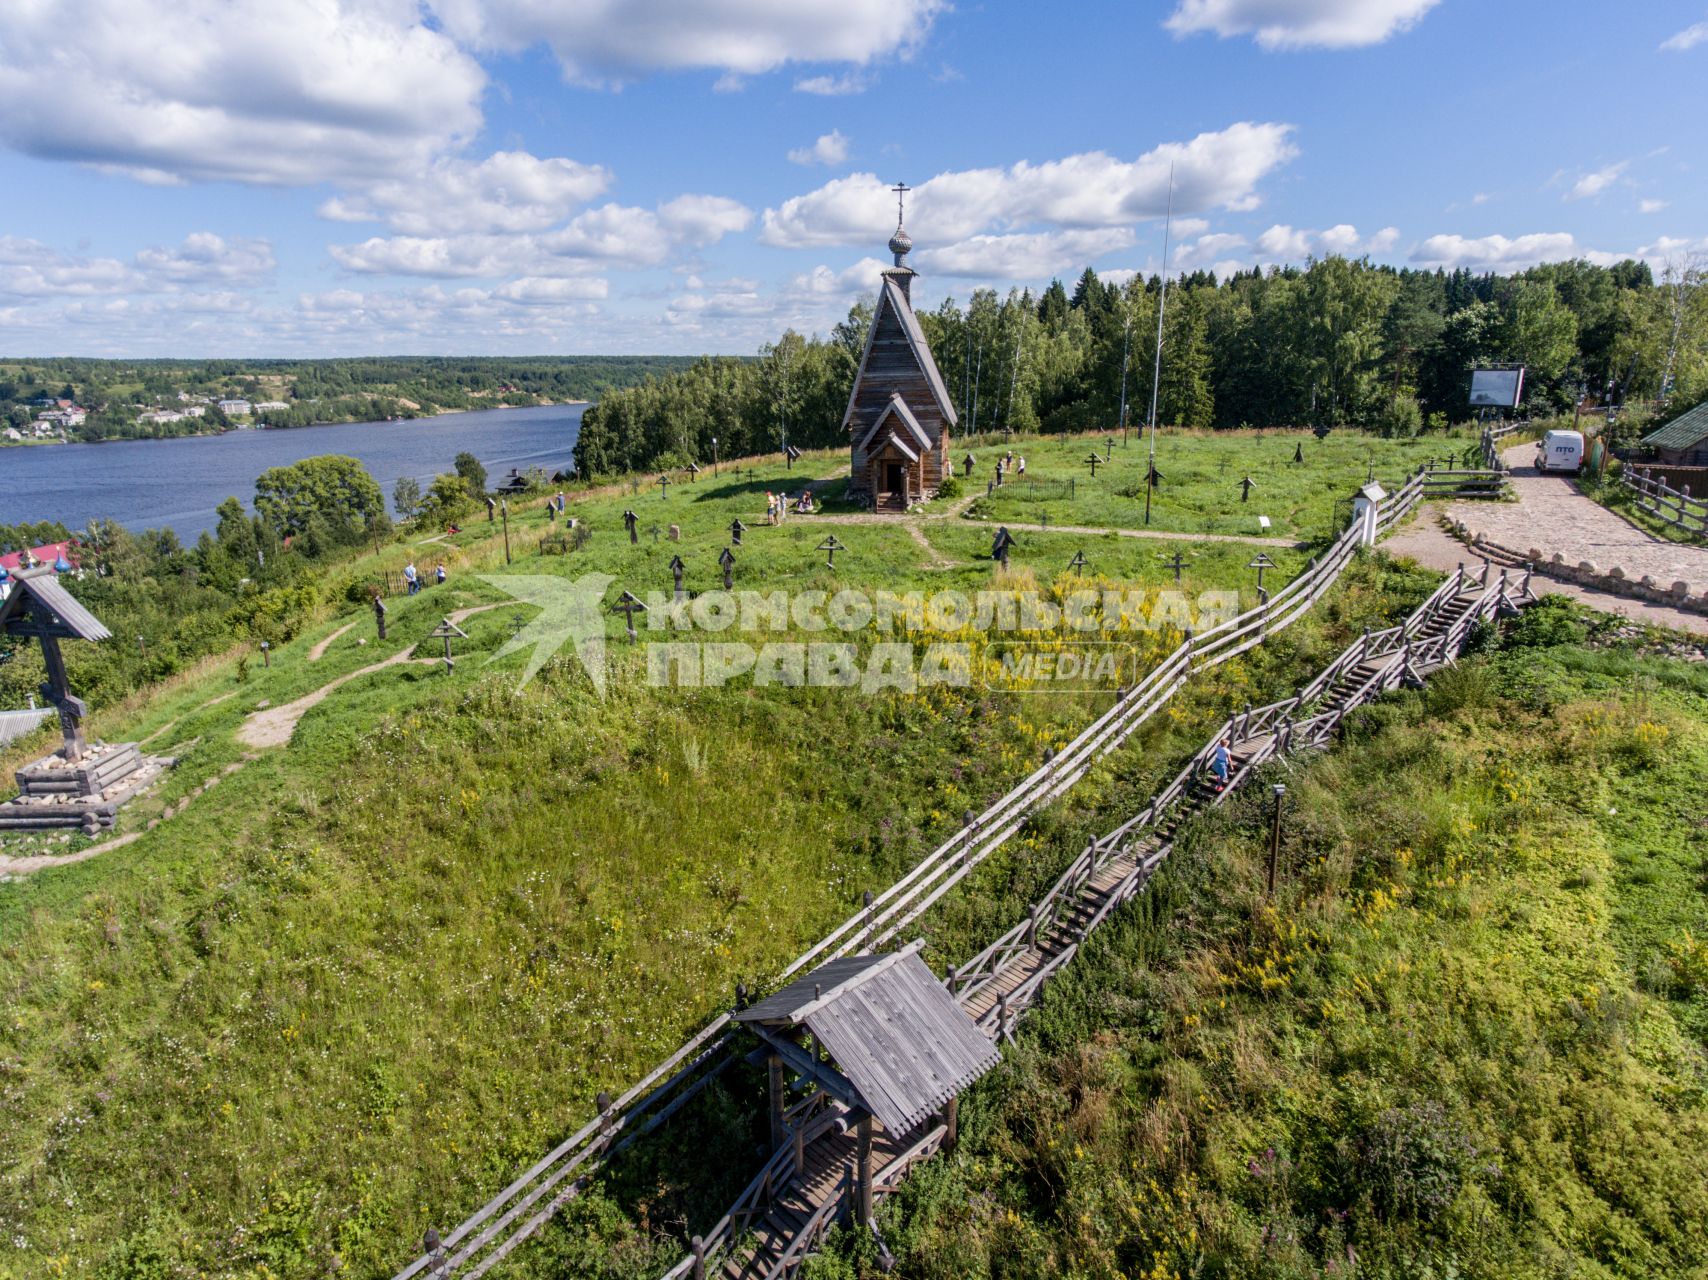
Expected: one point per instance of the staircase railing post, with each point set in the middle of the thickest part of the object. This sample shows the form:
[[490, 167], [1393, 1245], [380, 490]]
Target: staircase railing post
[[697, 1247]]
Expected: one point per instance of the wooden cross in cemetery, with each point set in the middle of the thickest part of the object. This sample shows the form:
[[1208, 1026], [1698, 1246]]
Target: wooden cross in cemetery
[[630, 520], [656, 533], [790, 456], [967, 462], [1108, 448], [1093, 459], [629, 604], [726, 561], [830, 546], [379, 615], [663, 483], [693, 470], [1245, 488], [676, 569], [444, 631], [1001, 544], [736, 529], [1077, 564], [1299, 452], [1261, 563], [1177, 564]]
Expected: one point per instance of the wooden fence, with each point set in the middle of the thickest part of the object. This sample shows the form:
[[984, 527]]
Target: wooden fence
[[1431, 637], [1675, 506], [471, 1249]]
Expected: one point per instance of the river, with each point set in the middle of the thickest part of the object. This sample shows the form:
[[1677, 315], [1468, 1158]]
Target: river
[[176, 484]]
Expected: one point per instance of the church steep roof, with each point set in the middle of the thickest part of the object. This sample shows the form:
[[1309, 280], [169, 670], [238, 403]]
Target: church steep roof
[[892, 297]]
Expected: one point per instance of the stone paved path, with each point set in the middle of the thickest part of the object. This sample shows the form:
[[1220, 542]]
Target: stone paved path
[[1425, 541], [1551, 515]]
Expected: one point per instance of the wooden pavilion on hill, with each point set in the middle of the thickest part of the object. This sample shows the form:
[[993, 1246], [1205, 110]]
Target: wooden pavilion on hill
[[879, 1034], [899, 413]]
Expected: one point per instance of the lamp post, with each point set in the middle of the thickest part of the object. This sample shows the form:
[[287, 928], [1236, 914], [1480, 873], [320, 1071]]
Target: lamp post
[[1280, 790], [714, 455]]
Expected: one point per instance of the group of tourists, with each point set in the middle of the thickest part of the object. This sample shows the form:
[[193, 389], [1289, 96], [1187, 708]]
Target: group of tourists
[[412, 577], [1008, 462], [777, 505]]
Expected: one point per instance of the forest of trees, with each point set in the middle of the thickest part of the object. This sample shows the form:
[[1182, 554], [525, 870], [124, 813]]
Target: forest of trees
[[1339, 343], [117, 392]]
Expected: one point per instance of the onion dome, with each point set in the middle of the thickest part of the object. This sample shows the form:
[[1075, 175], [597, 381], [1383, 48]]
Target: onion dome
[[900, 244]]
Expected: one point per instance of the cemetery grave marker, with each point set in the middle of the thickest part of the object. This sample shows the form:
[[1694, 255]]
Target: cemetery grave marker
[[629, 604], [726, 559], [830, 546], [444, 631], [630, 520]]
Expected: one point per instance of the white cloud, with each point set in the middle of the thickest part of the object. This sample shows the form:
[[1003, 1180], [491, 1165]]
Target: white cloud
[[36, 270], [507, 191], [554, 291], [1300, 24], [1204, 249], [849, 82], [1024, 256], [611, 234], [1593, 184], [1499, 253], [264, 91], [702, 220], [822, 281], [1689, 38], [1482, 197], [831, 148], [1282, 243], [1088, 190], [599, 40], [1651, 206]]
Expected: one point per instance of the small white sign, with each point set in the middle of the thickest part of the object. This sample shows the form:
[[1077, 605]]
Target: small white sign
[[1262, 522]]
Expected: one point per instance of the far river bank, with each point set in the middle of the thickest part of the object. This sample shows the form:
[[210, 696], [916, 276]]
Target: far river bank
[[177, 482]]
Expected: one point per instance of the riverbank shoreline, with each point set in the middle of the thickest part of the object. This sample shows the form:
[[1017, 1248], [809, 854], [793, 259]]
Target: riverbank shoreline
[[340, 422]]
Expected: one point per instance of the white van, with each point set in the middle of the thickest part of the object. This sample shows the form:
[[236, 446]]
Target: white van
[[1560, 451]]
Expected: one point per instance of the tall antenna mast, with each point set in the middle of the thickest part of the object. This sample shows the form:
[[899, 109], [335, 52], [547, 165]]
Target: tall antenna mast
[[1156, 370]]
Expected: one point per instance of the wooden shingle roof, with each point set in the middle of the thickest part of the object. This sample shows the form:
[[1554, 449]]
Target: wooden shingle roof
[[1687, 430], [892, 1028], [44, 592], [892, 300]]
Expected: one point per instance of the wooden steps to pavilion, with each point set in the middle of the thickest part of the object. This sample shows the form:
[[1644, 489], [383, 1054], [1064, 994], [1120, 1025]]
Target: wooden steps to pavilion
[[829, 1161]]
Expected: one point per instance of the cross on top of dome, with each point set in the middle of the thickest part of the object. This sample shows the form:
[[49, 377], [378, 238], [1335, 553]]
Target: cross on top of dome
[[900, 242]]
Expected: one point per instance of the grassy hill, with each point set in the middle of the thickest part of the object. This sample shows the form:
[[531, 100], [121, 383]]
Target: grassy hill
[[1469, 1037], [357, 984]]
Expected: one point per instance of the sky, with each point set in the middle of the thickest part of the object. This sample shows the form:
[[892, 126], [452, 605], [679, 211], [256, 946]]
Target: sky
[[353, 177]]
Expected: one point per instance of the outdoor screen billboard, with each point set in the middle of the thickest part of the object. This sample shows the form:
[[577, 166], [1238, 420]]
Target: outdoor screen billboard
[[1497, 388]]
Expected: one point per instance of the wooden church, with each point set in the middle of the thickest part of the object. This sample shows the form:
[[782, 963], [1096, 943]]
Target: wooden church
[[899, 414]]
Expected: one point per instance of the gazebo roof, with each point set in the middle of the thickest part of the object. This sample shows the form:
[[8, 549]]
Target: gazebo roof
[[43, 591], [903, 1045]]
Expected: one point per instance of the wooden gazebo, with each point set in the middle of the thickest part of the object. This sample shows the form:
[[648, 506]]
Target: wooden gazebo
[[881, 1035]]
